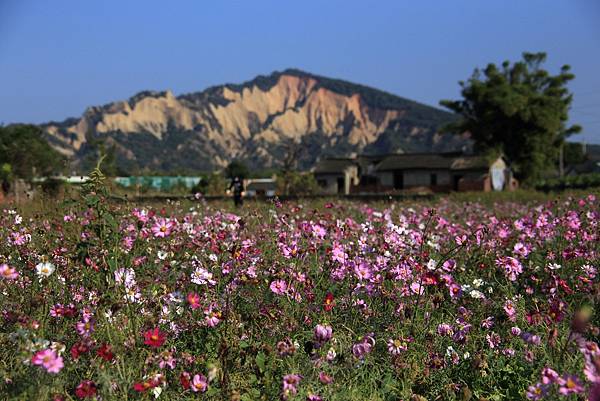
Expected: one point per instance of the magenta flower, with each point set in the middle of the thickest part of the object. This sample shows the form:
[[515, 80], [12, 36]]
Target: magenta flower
[[290, 385], [85, 328], [322, 334], [537, 392], [279, 287], [49, 360], [162, 227], [569, 384], [455, 290], [511, 312], [325, 378], [199, 383], [549, 376], [7, 272], [364, 347], [512, 267], [212, 317]]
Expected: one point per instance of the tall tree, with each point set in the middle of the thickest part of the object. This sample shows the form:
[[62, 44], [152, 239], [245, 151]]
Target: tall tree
[[24, 149], [520, 110]]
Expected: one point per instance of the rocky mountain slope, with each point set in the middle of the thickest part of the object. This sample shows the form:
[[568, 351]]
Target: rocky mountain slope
[[260, 122]]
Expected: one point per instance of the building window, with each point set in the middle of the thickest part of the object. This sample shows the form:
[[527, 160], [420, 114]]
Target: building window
[[433, 179], [322, 183]]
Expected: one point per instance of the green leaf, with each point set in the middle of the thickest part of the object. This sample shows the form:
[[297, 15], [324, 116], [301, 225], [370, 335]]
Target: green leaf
[[260, 361]]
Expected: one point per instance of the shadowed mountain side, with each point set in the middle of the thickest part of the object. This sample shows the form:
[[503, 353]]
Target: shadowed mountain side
[[257, 122]]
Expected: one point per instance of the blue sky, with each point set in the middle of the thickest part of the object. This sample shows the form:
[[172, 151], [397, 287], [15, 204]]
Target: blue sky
[[58, 57]]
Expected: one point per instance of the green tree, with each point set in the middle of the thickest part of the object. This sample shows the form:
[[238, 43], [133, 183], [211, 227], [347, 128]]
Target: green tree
[[296, 183], [28, 154], [236, 169], [573, 153], [520, 110]]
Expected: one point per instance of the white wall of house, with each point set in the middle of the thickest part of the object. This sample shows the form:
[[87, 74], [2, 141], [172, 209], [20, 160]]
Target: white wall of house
[[329, 182]]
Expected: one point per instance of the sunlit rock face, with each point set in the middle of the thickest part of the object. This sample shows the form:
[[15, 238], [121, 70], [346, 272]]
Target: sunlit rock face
[[257, 122]]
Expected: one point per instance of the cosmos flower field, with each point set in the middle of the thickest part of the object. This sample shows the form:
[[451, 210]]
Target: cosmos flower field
[[303, 300]]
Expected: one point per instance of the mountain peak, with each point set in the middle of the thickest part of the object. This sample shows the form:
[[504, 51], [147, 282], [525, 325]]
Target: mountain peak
[[254, 121]]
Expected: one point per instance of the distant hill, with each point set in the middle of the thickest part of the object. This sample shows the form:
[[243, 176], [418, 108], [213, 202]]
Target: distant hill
[[261, 122]]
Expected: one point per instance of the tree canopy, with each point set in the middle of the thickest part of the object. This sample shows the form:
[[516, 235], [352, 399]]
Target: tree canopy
[[520, 110], [25, 152], [237, 169]]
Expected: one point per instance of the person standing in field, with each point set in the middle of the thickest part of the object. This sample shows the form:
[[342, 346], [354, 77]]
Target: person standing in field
[[237, 186]]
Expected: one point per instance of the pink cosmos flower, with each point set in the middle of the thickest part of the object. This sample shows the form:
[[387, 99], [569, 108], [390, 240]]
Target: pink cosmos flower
[[549, 376], [162, 227], [338, 254], [49, 360], [570, 384], [511, 312], [199, 383], [322, 333], [325, 378], [493, 340], [455, 290], [290, 385], [512, 267], [212, 317], [363, 271], [85, 327], [521, 250], [398, 345], [7, 272], [279, 287], [537, 392]]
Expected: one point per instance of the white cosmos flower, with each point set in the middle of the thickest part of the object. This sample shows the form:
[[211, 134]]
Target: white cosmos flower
[[44, 269], [554, 266], [478, 282]]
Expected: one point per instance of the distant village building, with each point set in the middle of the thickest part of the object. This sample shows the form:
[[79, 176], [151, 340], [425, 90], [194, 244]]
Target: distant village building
[[260, 187], [336, 175], [428, 171]]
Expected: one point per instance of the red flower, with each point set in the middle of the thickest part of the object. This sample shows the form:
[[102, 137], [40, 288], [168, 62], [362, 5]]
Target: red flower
[[105, 352], [86, 389], [328, 303], [78, 349], [147, 385], [154, 338], [184, 379], [194, 300]]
